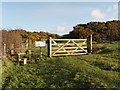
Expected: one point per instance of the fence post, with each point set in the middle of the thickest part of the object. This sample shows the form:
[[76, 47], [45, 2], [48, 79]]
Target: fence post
[[30, 44], [26, 43], [22, 46], [30, 54], [12, 51], [49, 47], [4, 50], [89, 44], [25, 60]]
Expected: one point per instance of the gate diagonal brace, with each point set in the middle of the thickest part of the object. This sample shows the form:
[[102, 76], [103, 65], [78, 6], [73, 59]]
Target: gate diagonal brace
[[76, 47], [61, 47], [79, 46]]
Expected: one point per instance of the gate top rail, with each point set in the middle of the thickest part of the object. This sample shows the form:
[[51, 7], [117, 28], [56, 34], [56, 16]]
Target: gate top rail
[[68, 39]]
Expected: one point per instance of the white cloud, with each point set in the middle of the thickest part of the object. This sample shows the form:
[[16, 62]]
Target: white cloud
[[98, 14], [110, 9], [112, 19], [60, 29], [112, 12], [113, 8]]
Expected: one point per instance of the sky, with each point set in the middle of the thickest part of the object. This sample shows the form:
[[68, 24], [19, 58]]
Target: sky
[[55, 17], [60, 0]]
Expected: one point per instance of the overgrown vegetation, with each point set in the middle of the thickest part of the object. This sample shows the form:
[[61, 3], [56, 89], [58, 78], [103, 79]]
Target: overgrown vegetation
[[98, 70], [19, 36], [102, 31]]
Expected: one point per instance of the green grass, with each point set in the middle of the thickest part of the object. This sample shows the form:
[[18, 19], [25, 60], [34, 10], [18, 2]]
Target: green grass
[[98, 70]]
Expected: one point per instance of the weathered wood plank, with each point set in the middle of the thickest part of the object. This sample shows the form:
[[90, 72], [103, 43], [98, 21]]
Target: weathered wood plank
[[68, 47], [21, 53], [68, 39], [71, 51], [68, 54], [67, 44], [20, 48]]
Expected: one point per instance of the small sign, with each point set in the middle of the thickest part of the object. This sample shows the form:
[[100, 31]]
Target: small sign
[[40, 43]]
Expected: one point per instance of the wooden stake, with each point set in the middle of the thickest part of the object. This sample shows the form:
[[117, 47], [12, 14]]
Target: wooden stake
[[12, 51], [26, 43], [25, 60], [30, 43], [91, 43], [29, 54], [22, 46], [4, 49]]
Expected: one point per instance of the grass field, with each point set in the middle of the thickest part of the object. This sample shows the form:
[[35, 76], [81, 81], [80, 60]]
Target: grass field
[[98, 70]]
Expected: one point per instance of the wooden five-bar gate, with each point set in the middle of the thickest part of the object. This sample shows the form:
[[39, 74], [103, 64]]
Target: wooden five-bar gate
[[64, 47]]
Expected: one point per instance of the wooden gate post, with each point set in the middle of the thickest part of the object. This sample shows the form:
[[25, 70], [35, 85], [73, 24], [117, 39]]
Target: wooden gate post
[[89, 44], [49, 47]]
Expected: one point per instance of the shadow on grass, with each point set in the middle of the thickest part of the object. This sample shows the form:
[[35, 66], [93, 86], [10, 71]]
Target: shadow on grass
[[105, 51]]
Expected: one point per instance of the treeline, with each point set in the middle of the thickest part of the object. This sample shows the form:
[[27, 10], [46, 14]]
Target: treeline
[[19, 36], [101, 31]]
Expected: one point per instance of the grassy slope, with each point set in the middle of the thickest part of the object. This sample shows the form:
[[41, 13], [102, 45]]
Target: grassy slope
[[91, 71]]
